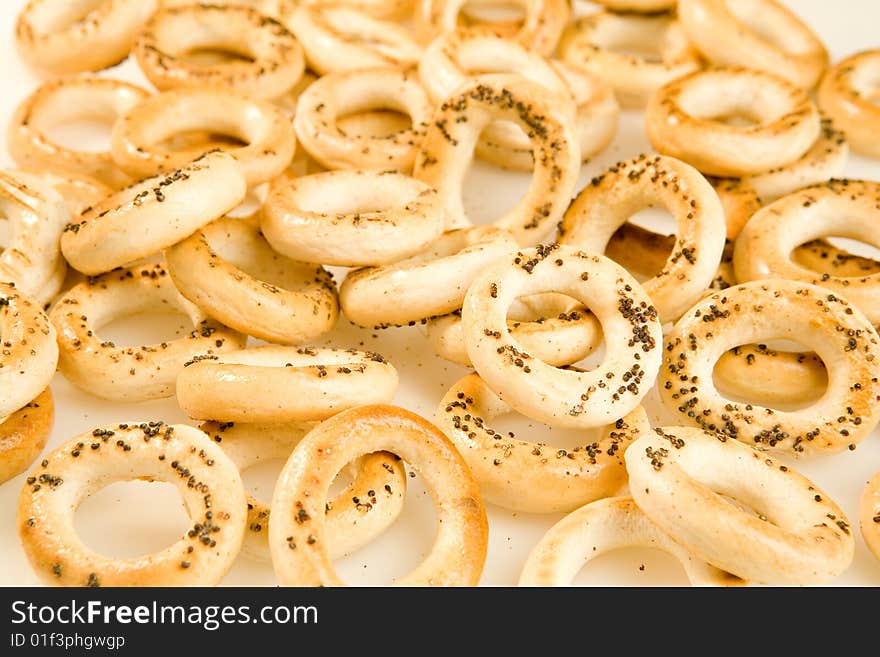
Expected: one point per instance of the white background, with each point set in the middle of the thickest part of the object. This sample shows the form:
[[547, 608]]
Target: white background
[[129, 519]]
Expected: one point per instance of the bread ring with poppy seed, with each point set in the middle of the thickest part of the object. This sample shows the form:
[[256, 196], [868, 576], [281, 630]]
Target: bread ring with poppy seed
[[769, 309], [283, 384], [357, 515], [790, 533], [276, 60], [848, 94], [602, 526], [229, 271], [99, 366], [23, 435], [526, 476], [30, 351], [208, 481], [299, 537], [545, 116], [564, 397], [156, 213]]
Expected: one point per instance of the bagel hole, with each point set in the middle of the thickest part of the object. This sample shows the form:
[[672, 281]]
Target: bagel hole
[[848, 256], [129, 519], [632, 567], [803, 380], [552, 439], [489, 191], [205, 139], [85, 134], [415, 528], [146, 328], [207, 56], [643, 253], [379, 124], [504, 14]]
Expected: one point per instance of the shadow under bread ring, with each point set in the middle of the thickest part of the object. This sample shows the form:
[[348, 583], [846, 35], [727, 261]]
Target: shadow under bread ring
[[299, 536], [208, 481], [283, 384], [106, 370], [359, 513]]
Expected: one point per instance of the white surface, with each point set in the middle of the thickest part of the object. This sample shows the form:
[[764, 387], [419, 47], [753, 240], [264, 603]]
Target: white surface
[[136, 518]]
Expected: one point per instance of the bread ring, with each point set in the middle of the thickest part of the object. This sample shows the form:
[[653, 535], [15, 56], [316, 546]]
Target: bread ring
[[540, 30], [139, 373], [29, 351], [283, 384], [740, 201], [208, 481], [276, 59], [269, 141], [759, 34], [685, 120], [455, 57], [600, 44], [869, 515], [824, 161], [37, 215], [79, 192], [69, 36], [848, 95], [531, 477], [603, 526], [61, 101], [570, 398], [608, 201], [351, 218], [229, 271], [298, 536], [23, 435], [153, 214], [775, 309], [426, 285], [357, 515], [552, 327], [797, 535], [638, 6], [545, 116], [338, 94], [339, 38], [843, 208]]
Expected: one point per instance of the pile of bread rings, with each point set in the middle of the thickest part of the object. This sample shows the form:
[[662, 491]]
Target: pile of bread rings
[[303, 113]]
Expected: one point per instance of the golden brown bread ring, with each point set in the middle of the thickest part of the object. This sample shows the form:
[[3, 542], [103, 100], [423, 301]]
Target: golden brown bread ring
[[23, 435], [208, 482], [848, 95], [359, 513], [298, 536], [869, 515], [531, 477]]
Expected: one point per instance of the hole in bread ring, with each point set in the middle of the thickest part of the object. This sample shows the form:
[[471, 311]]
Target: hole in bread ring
[[207, 480], [298, 536], [275, 59], [602, 526], [526, 476], [357, 515], [775, 309], [229, 271], [283, 384], [137, 373], [564, 397], [679, 477]]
